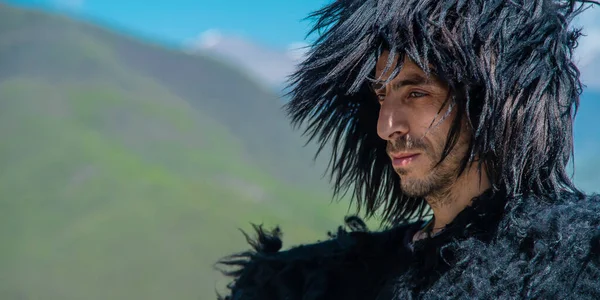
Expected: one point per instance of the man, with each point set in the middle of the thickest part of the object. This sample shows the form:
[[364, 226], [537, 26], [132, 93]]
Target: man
[[461, 107]]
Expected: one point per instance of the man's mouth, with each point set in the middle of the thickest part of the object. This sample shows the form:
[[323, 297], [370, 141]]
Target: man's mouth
[[400, 160]]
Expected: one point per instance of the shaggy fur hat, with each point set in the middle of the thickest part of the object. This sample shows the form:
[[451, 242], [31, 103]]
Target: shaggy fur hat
[[509, 67]]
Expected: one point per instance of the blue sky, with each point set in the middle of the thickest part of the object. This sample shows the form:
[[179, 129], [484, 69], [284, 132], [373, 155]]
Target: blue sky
[[274, 23]]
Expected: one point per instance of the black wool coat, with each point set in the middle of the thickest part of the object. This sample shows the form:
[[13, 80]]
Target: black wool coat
[[497, 248]]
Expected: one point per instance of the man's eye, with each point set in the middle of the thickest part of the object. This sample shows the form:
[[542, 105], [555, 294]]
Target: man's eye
[[416, 95], [380, 97]]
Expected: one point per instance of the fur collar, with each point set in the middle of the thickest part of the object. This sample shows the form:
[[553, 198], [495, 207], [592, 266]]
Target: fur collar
[[526, 247], [541, 248]]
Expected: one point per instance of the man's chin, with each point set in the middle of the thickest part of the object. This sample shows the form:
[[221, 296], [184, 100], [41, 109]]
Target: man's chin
[[413, 174], [413, 187]]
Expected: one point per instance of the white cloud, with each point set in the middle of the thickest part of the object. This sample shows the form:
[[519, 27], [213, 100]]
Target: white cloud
[[587, 54], [297, 51], [207, 39], [271, 65]]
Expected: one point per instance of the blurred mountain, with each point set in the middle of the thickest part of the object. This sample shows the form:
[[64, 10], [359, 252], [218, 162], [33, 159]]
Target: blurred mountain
[[127, 168], [250, 112]]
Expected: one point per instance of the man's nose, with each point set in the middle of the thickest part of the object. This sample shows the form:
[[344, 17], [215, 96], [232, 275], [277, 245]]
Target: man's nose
[[392, 122]]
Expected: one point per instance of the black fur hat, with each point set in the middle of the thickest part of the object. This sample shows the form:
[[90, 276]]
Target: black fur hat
[[509, 67]]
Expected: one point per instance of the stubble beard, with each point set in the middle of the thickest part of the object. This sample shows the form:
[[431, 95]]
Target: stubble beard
[[436, 184]]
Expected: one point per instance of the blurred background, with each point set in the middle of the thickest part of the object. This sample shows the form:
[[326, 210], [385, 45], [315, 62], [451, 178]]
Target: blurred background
[[138, 137]]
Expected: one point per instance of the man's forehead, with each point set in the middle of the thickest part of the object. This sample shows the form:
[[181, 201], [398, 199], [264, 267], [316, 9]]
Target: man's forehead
[[409, 73], [382, 64], [408, 67]]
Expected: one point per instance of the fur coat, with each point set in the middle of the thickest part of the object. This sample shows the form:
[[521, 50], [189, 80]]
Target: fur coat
[[497, 248]]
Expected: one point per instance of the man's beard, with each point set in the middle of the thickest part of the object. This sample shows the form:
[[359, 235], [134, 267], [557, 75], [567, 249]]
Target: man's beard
[[436, 184], [437, 181]]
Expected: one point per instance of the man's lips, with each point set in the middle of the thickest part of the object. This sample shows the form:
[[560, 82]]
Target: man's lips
[[403, 159]]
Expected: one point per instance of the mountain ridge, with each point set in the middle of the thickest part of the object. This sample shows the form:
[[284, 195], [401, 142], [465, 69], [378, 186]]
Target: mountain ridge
[[204, 81], [120, 183]]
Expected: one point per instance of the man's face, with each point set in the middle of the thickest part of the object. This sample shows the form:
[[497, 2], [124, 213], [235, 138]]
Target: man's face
[[415, 126]]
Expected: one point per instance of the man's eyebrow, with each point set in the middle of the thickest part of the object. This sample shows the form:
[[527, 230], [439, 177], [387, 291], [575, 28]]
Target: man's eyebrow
[[410, 79]]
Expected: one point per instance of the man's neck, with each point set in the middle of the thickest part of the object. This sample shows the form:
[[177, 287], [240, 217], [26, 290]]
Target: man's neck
[[471, 184]]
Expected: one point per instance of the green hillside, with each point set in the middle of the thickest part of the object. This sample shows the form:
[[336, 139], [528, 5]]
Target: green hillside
[[127, 169], [62, 50]]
